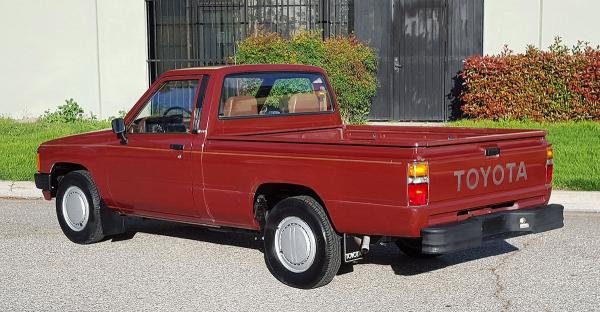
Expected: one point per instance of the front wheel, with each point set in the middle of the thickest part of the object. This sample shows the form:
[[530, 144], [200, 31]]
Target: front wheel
[[301, 247], [78, 208]]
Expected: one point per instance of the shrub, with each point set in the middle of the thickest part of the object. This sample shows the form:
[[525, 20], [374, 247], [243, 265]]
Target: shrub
[[69, 112], [558, 84], [350, 64]]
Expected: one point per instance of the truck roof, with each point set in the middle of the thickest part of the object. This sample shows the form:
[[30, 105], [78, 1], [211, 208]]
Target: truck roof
[[232, 69]]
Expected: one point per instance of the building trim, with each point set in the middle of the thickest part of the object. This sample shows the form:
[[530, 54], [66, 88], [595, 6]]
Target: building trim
[[540, 25], [98, 60]]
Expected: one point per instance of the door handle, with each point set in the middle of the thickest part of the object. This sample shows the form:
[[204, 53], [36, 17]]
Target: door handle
[[492, 151], [397, 64], [177, 147]]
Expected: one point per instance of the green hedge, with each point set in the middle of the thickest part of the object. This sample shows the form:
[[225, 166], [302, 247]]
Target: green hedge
[[553, 85], [350, 64]]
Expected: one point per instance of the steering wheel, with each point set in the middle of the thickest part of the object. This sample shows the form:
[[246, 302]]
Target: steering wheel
[[180, 120], [183, 110]]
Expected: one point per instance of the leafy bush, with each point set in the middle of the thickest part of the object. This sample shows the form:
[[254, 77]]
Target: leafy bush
[[120, 114], [69, 112], [558, 84], [350, 65]]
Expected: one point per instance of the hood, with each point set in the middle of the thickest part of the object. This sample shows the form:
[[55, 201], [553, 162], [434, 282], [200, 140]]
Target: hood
[[97, 136]]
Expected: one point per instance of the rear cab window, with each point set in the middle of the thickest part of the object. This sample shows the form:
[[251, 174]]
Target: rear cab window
[[274, 94]]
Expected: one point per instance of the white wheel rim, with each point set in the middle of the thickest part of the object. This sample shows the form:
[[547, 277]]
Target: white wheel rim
[[295, 244], [75, 208]]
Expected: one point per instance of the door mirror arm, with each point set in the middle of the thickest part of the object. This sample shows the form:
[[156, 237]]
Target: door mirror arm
[[118, 127]]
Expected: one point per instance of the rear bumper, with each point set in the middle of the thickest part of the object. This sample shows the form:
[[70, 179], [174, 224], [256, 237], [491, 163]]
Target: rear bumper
[[472, 232]]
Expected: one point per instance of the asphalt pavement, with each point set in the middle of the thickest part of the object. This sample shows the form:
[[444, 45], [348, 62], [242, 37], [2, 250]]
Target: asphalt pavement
[[167, 267]]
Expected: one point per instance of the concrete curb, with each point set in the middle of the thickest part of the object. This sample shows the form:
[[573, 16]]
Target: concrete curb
[[572, 200], [19, 190], [577, 201]]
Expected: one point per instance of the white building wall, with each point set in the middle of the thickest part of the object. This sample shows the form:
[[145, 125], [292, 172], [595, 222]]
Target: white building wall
[[57, 49], [536, 22], [572, 20], [123, 51]]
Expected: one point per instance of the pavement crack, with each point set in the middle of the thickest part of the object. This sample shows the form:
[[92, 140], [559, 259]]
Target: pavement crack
[[500, 287], [11, 186]]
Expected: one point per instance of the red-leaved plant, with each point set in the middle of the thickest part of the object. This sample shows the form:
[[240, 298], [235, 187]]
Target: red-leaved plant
[[558, 84]]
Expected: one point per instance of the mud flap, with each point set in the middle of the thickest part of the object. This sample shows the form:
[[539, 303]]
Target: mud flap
[[351, 249], [113, 222]]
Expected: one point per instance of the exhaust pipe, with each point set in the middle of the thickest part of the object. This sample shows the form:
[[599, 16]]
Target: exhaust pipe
[[364, 246]]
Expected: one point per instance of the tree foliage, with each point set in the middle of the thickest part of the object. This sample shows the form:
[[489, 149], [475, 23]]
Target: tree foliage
[[350, 64]]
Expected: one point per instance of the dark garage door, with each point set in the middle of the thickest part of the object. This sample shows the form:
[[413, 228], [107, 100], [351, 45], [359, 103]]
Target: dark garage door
[[421, 45], [419, 41]]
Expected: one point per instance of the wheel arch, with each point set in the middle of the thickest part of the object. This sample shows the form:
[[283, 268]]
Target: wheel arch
[[268, 194], [60, 169]]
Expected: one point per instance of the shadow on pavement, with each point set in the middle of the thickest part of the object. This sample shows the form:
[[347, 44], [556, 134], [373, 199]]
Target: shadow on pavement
[[404, 265], [239, 238], [379, 254]]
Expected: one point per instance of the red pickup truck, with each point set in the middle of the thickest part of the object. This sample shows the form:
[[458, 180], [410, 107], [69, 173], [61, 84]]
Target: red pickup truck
[[263, 148]]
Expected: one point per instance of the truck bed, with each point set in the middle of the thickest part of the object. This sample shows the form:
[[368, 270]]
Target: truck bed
[[397, 136], [461, 175]]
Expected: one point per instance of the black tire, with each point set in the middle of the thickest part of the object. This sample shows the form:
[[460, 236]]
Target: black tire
[[327, 257], [93, 230], [412, 248]]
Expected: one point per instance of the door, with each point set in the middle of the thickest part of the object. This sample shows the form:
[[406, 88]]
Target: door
[[420, 36], [152, 173], [421, 46]]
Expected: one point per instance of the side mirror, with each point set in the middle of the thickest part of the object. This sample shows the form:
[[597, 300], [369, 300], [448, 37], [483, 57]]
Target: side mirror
[[118, 127]]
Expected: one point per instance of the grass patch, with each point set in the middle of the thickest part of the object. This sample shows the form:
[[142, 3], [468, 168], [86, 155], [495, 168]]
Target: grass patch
[[576, 149], [19, 142]]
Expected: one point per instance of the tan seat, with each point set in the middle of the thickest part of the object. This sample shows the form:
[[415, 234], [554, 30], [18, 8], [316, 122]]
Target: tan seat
[[304, 103], [240, 106]]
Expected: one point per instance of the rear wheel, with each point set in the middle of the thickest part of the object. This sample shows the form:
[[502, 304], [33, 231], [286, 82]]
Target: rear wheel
[[78, 208], [412, 247], [301, 247]]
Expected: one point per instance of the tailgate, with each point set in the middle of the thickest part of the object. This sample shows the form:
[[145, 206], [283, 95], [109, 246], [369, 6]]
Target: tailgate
[[462, 176]]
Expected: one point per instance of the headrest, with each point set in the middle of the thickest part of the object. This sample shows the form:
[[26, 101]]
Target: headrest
[[240, 106], [304, 103]]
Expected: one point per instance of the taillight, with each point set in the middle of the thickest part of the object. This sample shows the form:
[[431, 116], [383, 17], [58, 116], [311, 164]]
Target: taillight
[[418, 184], [549, 165], [37, 162]]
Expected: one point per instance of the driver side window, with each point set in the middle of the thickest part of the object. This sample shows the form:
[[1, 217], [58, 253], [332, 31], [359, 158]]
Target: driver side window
[[169, 110]]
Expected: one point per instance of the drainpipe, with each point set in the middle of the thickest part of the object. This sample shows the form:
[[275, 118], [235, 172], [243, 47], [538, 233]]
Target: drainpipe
[[540, 25], [98, 61]]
